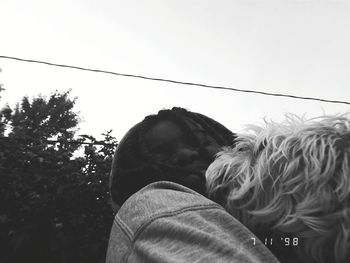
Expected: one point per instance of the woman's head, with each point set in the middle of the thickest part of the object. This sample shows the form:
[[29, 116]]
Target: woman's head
[[174, 145]]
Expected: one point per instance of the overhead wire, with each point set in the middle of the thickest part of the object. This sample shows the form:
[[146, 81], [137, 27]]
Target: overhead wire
[[175, 81]]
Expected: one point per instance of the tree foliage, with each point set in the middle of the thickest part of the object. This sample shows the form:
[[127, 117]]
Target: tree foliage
[[54, 205]]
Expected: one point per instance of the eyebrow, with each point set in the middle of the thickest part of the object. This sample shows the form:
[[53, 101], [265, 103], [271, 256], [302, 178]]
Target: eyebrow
[[199, 130]]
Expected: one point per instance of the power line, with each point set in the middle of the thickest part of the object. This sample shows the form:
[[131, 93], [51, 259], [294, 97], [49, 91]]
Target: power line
[[176, 81]]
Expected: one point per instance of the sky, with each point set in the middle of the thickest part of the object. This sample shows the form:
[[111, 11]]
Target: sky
[[297, 47]]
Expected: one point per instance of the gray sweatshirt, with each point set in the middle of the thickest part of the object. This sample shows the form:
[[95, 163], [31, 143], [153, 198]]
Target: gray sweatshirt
[[167, 222]]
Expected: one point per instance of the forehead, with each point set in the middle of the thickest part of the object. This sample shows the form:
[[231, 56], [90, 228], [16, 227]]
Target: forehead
[[161, 131], [170, 131]]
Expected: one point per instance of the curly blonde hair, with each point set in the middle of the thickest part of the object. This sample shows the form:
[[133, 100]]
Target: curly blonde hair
[[291, 178]]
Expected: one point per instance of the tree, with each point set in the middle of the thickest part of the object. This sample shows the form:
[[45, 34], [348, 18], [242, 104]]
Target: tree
[[2, 124], [50, 200]]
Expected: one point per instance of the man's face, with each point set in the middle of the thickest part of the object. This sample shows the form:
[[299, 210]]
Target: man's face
[[168, 144]]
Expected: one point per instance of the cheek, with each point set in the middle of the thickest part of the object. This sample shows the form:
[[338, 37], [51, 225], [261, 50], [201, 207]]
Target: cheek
[[213, 150]]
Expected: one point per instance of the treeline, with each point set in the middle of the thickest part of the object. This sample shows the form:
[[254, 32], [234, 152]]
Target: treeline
[[54, 203]]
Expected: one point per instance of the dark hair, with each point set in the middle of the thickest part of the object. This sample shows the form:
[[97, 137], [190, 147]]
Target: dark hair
[[133, 167]]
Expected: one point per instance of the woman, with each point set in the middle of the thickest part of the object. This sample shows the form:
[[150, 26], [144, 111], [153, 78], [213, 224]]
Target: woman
[[175, 145], [169, 219]]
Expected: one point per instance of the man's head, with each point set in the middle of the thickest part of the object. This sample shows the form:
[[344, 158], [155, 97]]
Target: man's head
[[290, 178], [175, 145]]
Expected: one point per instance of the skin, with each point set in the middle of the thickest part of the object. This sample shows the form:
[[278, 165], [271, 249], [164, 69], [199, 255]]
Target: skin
[[167, 143]]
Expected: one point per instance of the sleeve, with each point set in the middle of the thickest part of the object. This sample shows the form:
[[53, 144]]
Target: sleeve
[[166, 222]]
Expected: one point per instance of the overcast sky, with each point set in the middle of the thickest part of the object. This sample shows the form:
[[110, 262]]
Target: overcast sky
[[298, 47]]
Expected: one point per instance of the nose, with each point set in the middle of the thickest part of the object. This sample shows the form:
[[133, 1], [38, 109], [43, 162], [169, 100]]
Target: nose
[[185, 156]]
